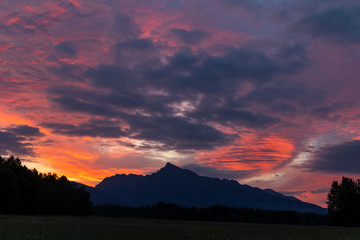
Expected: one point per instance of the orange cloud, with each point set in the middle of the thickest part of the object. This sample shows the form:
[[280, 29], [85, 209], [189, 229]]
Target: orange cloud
[[261, 153]]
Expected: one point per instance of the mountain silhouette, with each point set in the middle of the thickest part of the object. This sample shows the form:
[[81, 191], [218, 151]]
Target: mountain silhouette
[[99, 197], [173, 184]]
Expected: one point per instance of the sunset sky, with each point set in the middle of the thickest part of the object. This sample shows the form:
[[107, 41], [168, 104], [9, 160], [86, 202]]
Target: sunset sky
[[264, 92]]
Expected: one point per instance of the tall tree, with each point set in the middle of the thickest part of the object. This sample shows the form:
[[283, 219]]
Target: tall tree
[[344, 202]]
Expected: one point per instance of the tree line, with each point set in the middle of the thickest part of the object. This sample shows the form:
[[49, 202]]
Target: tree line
[[25, 191], [222, 213]]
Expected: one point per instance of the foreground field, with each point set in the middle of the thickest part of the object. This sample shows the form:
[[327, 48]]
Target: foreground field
[[77, 228]]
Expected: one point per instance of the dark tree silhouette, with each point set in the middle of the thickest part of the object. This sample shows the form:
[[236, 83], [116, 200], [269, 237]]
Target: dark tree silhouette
[[172, 211], [25, 191], [344, 202]]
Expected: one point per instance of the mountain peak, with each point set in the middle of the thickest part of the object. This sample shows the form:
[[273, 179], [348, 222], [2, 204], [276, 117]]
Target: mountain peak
[[171, 169], [170, 166]]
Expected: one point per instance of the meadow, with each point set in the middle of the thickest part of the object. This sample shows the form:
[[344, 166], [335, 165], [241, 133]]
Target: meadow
[[77, 228]]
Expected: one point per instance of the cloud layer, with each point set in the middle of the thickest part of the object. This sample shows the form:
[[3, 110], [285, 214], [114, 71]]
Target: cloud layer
[[257, 91]]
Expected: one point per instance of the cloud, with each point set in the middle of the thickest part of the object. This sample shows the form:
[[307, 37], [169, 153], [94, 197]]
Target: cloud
[[286, 97], [292, 193], [232, 116], [135, 52], [125, 27], [187, 73], [320, 190], [331, 112], [172, 133], [110, 103], [339, 24], [222, 74], [341, 158], [176, 133], [218, 173], [232, 84], [94, 128], [184, 60], [112, 77], [65, 47], [75, 105], [16, 140], [248, 4], [136, 44], [158, 125], [192, 37], [175, 100], [25, 131]]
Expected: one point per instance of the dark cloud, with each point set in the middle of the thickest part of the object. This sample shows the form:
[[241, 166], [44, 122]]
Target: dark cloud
[[23, 24], [218, 173], [153, 119], [176, 132], [136, 44], [186, 73], [339, 24], [76, 105], [184, 60], [165, 127], [248, 4], [223, 74], [284, 109], [342, 158], [15, 140], [331, 112], [12, 144], [110, 104], [171, 132], [292, 58], [113, 77], [275, 93], [225, 115], [239, 63], [246, 118], [125, 27], [286, 98], [105, 129], [191, 37], [135, 52], [126, 93], [292, 193], [320, 190], [25, 131], [68, 71], [148, 94], [65, 47]]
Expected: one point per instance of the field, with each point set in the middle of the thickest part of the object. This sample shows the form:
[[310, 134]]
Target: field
[[71, 228]]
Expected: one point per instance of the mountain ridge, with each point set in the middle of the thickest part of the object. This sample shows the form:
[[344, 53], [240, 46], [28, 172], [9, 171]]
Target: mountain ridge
[[180, 186]]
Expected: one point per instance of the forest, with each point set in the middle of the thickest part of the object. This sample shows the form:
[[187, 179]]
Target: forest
[[25, 191], [218, 213]]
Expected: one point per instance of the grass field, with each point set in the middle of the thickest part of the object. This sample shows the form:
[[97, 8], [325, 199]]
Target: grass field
[[69, 228]]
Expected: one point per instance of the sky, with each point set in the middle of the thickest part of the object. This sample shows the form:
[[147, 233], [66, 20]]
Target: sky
[[264, 92]]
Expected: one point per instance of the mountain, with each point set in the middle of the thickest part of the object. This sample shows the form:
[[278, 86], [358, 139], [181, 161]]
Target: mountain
[[181, 186], [99, 197]]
